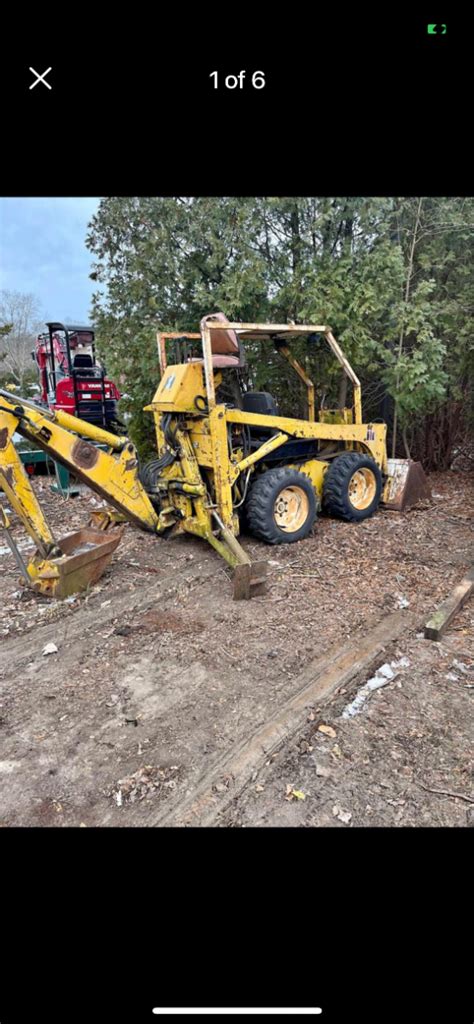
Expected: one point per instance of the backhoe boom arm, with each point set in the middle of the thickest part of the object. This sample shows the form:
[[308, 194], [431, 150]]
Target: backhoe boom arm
[[113, 475]]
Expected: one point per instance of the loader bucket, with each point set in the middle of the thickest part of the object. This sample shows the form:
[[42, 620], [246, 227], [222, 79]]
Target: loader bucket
[[406, 484], [86, 555]]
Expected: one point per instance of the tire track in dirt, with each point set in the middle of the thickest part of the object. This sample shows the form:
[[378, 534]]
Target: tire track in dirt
[[319, 681], [16, 652]]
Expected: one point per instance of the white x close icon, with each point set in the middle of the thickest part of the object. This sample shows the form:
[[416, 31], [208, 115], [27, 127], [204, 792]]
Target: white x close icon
[[40, 78]]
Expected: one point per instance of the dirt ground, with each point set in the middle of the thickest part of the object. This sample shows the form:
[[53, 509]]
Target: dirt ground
[[158, 672]]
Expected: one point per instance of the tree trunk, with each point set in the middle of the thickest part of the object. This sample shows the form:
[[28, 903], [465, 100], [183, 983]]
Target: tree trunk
[[342, 391], [295, 254], [402, 333]]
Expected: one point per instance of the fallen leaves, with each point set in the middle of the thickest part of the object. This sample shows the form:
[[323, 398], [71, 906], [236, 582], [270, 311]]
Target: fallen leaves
[[327, 730], [143, 782], [297, 794]]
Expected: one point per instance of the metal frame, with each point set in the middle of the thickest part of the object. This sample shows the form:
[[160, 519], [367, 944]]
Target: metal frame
[[250, 331], [202, 435], [67, 330], [74, 372]]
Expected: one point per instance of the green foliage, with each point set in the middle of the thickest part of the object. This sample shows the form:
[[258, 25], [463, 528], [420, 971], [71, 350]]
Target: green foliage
[[391, 276]]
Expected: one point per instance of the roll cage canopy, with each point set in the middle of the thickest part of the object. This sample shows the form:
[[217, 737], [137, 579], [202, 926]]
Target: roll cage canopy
[[68, 330], [220, 336]]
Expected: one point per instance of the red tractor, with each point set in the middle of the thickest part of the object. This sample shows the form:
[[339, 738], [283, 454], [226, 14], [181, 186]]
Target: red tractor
[[72, 379]]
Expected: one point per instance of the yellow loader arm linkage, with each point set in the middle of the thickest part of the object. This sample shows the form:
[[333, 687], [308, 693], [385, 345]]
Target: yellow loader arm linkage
[[63, 567]]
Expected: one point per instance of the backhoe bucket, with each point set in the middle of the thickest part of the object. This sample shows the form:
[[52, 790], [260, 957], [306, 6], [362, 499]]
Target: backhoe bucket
[[406, 484], [86, 555]]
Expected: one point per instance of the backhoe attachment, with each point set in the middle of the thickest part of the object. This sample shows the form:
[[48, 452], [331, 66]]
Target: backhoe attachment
[[63, 567]]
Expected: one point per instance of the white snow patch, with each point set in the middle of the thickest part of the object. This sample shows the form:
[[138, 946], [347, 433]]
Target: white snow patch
[[383, 675]]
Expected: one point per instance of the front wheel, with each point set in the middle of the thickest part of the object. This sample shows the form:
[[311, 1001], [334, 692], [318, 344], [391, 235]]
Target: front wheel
[[281, 507], [352, 487]]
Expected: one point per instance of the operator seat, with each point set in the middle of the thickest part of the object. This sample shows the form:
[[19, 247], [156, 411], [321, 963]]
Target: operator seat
[[83, 365], [83, 361], [227, 350]]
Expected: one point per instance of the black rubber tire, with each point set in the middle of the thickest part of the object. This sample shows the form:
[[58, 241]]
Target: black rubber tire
[[336, 500], [260, 505]]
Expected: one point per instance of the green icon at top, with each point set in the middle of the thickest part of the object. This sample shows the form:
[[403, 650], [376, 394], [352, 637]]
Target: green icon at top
[[436, 30]]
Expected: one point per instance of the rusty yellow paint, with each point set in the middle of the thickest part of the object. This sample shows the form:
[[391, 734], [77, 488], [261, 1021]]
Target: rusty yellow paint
[[387, 489], [337, 350], [315, 469], [58, 568], [79, 562], [301, 428], [114, 476], [208, 367], [160, 437], [89, 430], [178, 389], [221, 464], [335, 416], [357, 405], [16, 484], [201, 442], [257, 456]]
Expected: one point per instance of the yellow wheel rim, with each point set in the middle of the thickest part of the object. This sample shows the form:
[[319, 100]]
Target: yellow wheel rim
[[291, 509], [362, 488]]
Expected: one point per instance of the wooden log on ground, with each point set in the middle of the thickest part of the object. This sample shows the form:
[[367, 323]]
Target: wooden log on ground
[[439, 622]]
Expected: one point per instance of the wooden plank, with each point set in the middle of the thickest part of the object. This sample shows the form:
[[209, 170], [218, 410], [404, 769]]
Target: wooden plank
[[439, 622], [320, 680]]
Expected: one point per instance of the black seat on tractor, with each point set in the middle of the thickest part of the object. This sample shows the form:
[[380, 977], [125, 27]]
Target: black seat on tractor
[[83, 361], [264, 404], [297, 449], [260, 402]]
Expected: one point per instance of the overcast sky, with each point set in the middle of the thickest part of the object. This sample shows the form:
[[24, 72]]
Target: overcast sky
[[42, 251]]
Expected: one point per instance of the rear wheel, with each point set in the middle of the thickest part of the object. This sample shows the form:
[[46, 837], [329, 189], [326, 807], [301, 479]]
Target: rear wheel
[[352, 487], [281, 507]]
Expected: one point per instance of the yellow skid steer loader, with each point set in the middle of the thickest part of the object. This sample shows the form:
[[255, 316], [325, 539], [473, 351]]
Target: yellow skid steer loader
[[218, 460]]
